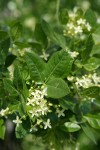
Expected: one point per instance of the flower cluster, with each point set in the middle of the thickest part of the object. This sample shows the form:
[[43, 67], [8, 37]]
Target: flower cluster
[[76, 25], [38, 106], [86, 81]]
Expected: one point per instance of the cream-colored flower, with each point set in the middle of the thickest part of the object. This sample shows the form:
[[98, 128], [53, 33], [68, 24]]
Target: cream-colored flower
[[47, 124], [96, 79], [60, 112], [78, 29], [70, 25], [4, 112], [70, 78], [88, 26], [81, 21], [17, 121], [30, 102], [73, 54]]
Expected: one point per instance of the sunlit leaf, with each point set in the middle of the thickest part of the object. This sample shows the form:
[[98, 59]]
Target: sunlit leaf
[[92, 64], [59, 65], [57, 88], [2, 129], [70, 127]]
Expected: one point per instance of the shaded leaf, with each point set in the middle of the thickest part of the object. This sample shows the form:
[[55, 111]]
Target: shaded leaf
[[3, 35], [63, 16], [40, 35], [4, 47], [36, 66], [9, 60], [90, 17], [23, 129], [16, 31], [55, 37], [8, 86], [88, 131], [88, 49]]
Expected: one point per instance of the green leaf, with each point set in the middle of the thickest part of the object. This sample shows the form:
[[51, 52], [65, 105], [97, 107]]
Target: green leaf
[[89, 132], [2, 129], [36, 66], [96, 36], [92, 64], [85, 107], [95, 49], [93, 120], [9, 60], [40, 35], [63, 16], [54, 136], [59, 65], [93, 91], [55, 37], [23, 129], [36, 46], [57, 88], [90, 17], [21, 45], [18, 82], [8, 86], [16, 31], [4, 47], [70, 127], [3, 35], [88, 49], [67, 103]]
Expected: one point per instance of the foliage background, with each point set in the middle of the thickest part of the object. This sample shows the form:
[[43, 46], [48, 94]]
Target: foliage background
[[29, 12]]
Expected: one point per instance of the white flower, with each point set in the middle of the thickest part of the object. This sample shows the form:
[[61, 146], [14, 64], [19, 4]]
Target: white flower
[[73, 54], [47, 124], [81, 21], [85, 81], [70, 25], [38, 105], [70, 78], [96, 79], [35, 112], [4, 112], [78, 29], [79, 82], [88, 26], [17, 121], [60, 112], [44, 56], [30, 102]]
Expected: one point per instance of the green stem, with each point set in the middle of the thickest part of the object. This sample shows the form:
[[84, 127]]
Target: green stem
[[57, 10], [76, 90]]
